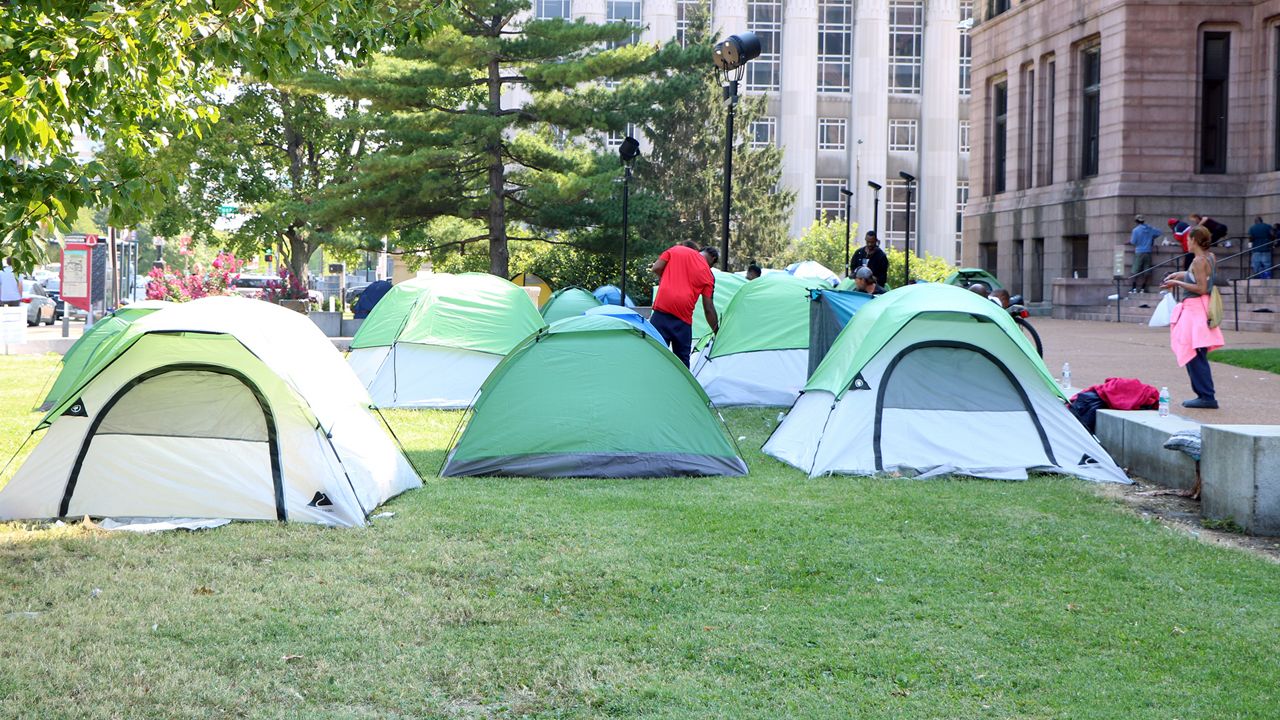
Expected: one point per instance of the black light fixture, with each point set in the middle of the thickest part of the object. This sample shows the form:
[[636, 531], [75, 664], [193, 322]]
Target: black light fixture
[[730, 57], [875, 212], [848, 226], [628, 151], [906, 247]]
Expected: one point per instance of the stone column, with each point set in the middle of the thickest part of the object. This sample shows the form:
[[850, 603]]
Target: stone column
[[659, 18], [869, 131], [798, 124], [939, 129], [729, 17], [593, 11]]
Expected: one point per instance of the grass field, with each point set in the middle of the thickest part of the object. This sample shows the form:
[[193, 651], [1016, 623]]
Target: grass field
[[760, 597], [1267, 359]]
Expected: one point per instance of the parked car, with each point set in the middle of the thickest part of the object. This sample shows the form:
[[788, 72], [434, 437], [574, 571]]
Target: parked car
[[40, 307], [252, 286]]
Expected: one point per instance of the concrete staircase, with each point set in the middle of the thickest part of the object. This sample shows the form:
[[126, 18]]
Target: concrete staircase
[[1259, 307]]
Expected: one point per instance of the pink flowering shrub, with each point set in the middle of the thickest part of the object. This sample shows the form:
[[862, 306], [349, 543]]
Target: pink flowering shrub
[[288, 287], [199, 282]]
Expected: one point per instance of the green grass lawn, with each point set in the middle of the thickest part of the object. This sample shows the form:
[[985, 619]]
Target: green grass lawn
[[1262, 359], [767, 596]]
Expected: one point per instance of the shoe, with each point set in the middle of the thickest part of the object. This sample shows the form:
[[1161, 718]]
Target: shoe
[[1133, 291], [1200, 404]]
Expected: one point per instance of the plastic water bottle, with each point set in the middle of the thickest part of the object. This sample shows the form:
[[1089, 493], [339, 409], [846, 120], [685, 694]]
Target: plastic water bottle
[[1164, 402], [1066, 375]]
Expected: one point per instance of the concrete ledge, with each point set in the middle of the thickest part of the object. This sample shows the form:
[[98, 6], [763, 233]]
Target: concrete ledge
[[330, 323], [1135, 439], [1240, 467], [350, 326]]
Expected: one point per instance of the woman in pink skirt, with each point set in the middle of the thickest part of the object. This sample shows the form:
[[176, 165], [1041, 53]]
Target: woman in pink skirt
[[1189, 333]]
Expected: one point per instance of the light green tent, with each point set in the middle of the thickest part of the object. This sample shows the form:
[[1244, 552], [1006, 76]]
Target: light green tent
[[431, 341], [593, 396], [81, 354], [727, 285], [568, 302], [761, 354]]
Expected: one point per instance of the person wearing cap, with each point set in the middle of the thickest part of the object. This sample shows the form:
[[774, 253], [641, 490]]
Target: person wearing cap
[[864, 281], [684, 275], [873, 257], [1143, 240]]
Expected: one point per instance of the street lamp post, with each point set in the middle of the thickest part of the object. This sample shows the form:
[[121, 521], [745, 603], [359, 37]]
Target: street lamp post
[[906, 257], [848, 226], [875, 211], [628, 151], [731, 56]]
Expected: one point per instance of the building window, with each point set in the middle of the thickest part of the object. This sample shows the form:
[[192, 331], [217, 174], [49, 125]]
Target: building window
[[613, 140], [764, 132], [627, 11], [966, 46], [685, 10], [1213, 102], [962, 201], [764, 74], [1026, 150], [902, 135], [1048, 76], [1090, 109], [831, 133], [829, 202], [906, 36], [1078, 254], [552, 9], [964, 136], [988, 257], [895, 213], [999, 135], [999, 6], [835, 44]]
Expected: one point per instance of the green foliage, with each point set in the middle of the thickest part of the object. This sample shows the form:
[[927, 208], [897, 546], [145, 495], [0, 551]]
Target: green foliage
[[930, 268], [1267, 359], [138, 73], [824, 242]]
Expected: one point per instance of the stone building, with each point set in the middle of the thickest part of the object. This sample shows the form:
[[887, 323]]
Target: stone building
[[1086, 113], [858, 90]]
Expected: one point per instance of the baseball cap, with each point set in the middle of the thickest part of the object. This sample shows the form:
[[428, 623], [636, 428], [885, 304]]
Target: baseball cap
[[1139, 219], [864, 273], [1173, 221]]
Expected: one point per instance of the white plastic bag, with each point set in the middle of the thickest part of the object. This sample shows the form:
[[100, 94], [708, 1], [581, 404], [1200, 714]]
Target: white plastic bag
[[1160, 318]]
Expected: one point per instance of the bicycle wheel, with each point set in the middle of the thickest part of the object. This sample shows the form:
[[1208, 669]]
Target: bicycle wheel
[[1031, 334]]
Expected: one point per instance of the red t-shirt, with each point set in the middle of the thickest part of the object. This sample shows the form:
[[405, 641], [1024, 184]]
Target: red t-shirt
[[685, 278]]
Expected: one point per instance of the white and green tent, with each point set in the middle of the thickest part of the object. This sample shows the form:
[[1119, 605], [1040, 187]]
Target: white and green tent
[[79, 355], [218, 408], [933, 379], [761, 354], [431, 341], [592, 396]]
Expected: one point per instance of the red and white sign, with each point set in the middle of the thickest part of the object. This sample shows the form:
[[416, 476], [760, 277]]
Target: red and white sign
[[77, 262]]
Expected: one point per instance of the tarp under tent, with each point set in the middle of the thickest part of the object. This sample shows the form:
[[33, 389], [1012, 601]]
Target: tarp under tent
[[431, 341], [933, 379], [813, 270], [592, 396], [223, 407], [761, 354], [609, 294], [829, 312], [531, 280], [568, 302], [630, 316], [81, 353]]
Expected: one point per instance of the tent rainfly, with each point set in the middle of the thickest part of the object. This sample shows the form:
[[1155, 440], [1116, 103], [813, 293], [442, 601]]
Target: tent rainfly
[[933, 379], [433, 340], [568, 302], [761, 354], [98, 335], [218, 408], [542, 413], [829, 312]]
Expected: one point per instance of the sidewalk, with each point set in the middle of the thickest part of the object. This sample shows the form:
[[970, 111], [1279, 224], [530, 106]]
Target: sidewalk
[[1099, 350], [47, 338]]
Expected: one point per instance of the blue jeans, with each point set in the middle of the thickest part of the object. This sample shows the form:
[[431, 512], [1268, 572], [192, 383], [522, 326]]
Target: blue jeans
[[677, 333], [1261, 263], [1201, 376]]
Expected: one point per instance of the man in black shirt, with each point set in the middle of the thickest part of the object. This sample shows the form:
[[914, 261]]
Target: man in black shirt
[[873, 257]]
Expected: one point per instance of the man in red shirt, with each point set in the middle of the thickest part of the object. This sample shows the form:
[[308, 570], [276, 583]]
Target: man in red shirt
[[684, 276]]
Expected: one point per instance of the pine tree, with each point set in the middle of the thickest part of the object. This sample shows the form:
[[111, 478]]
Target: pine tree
[[457, 141]]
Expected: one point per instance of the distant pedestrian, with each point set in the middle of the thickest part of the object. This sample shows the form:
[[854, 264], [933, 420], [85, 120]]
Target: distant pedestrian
[[684, 275], [1182, 233], [864, 281], [1143, 240], [10, 290], [1217, 231], [870, 255], [1261, 240], [753, 271], [1189, 333]]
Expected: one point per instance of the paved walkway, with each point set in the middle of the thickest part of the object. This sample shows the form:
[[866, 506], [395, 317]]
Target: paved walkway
[[1099, 350]]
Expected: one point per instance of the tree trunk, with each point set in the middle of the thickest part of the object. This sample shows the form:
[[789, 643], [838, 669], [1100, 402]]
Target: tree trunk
[[498, 253], [299, 253]]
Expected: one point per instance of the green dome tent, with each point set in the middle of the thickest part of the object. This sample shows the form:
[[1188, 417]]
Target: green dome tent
[[727, 285], [431, 341], [568, 302], [592, 396], [81, 354], [761, 354], [933, 379]]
